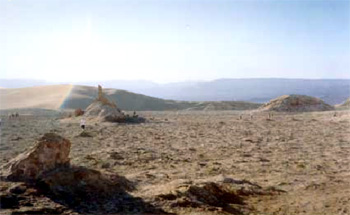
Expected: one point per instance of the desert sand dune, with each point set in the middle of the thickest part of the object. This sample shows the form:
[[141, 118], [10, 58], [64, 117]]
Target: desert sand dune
[[45, 97]]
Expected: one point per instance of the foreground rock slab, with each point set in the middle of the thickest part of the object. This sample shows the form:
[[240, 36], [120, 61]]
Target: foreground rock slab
[[42, 181], [50, 151]]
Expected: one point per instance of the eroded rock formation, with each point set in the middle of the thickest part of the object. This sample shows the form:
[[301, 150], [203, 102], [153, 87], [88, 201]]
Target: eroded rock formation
[[104, 109], [102, 98], [215, 194], [50, 151]]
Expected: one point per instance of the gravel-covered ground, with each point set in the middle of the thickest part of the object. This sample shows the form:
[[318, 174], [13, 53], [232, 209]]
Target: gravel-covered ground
[[306, 156]]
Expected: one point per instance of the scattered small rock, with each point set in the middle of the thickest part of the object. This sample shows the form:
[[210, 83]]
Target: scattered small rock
[[8, 201], [18, 189], [116, 156], [16, 138], [85, 134]]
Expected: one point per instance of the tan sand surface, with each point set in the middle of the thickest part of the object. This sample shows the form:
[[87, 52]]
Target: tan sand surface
[[45, 97]]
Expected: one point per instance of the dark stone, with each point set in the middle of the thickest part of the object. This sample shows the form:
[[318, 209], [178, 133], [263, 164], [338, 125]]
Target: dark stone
[[18, 189], [9, 201]]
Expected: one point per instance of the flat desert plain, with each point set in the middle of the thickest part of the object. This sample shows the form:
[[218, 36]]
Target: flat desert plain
[[303, 158]]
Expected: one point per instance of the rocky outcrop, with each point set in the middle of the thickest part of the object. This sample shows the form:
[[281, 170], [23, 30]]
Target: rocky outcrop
[[296, 103], [104, 112], [74, 180], [50, 151], [102, 98], [213, 194], [104, 109]]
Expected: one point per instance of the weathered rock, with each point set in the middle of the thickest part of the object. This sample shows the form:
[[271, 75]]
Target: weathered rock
[[296, 103], [216, 193], [102, 98], [202, 194], [18, 189], [85, 134], [83, 182], [78, 112], [90, 191], [103, 109], [9, 200], [50, 152], [104, 112]]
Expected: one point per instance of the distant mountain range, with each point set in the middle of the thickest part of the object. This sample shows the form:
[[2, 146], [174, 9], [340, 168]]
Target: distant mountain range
[[70, 97], [260, 90]]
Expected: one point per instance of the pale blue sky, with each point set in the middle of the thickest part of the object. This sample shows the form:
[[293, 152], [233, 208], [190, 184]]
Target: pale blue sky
[[168, 41]]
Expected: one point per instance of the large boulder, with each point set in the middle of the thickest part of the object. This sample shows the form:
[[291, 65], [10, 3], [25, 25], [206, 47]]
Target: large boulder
[[296, 103], [50, 151]]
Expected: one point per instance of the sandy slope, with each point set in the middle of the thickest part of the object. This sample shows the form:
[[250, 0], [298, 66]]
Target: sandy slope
[[45, 97]]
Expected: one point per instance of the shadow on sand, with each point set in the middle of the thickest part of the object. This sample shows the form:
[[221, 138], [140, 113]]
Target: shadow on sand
[[87, 191]]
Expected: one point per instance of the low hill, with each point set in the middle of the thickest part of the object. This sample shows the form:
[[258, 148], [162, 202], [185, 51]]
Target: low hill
[[344, 105], [67, 97], [296, 103]]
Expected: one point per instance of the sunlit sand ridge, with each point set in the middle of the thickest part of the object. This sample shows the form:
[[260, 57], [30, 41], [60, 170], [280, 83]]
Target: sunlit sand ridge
[[47, 97]]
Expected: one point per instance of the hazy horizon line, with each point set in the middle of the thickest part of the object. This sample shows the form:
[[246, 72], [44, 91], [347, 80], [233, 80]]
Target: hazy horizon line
[[159, 82]]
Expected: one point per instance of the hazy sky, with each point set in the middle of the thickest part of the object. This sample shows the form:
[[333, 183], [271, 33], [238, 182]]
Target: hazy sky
[[167, 41]]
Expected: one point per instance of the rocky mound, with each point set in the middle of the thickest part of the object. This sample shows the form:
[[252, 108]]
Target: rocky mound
[[219, 194], [104, 110], [296, 103]]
